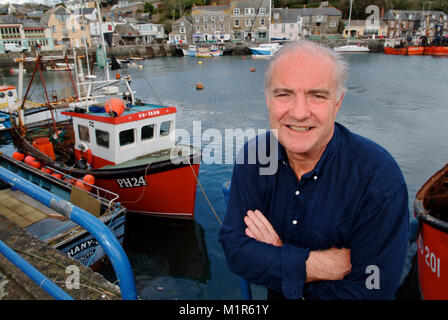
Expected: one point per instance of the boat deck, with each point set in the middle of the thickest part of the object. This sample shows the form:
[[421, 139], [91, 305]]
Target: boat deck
[[22, 209]]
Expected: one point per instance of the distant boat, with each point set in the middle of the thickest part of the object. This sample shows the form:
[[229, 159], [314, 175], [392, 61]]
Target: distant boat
[[351, 48], [60, 66], [191, 51], [266, 49]]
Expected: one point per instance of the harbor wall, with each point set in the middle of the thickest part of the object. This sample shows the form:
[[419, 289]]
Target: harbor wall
[[149, 51]]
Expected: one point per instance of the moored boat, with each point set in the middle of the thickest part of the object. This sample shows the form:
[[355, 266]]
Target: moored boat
[[267, 49], [352, 48], [49, 225], [431, 211], [126, 144]]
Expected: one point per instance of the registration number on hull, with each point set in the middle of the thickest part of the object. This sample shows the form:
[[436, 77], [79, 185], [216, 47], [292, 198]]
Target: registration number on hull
[[132, 182]]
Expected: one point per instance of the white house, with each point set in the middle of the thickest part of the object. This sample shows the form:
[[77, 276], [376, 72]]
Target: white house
[[286, 24]]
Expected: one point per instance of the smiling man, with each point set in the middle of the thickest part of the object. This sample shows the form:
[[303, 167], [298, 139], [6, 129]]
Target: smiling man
[[332, 221]]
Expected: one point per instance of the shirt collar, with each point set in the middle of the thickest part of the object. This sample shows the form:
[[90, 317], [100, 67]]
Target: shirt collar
[[329, 153]]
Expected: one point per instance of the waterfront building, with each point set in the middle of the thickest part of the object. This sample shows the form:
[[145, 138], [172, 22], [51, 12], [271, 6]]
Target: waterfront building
[[318, 23], [150, 32], [182, 30], [68, 31], [402, 23], [286, 24], [26, 33], [249, 19], [210, 23], [360, 29]]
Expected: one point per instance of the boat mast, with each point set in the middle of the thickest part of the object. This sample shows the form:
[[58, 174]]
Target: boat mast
[[103, 42], [349, 20]]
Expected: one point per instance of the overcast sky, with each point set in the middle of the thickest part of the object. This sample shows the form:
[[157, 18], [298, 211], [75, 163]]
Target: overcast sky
[[47, 2]]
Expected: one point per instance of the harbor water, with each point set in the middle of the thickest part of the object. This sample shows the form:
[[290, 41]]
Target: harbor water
[[401, 102]]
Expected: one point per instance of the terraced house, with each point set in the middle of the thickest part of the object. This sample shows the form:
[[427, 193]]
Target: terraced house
[[211, 23], [26, 33], [249, 19], [411, 22], [68, 30]]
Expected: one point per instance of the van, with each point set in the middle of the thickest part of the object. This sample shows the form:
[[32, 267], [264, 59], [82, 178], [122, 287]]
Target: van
[[14, 47]]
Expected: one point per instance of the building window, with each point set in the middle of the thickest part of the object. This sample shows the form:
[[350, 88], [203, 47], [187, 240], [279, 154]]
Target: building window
[[262, 22], [182, 29], [102, 138], [165, 128], [205, 18], [221, 18], [262, 11], [333, 24], [148, 132], [237, 23], [236, 10], [283, 28], [320, 18], [127, 137], [213, 27], [276, 15], [249, 10], [221, 27], [83, 133], [198, 28], [53, 28], [212, 18], [198, 19], [205, 27], [291, 26], [249, 22]]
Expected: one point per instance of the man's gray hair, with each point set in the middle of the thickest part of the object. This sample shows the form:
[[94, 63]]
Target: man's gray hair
[[340, 64]]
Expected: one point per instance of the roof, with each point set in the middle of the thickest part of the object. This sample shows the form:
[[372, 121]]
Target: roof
[[126, 30], [361, 23], [184, 19], [326, 11], [84, 11], [28, 24], [287, 15], [206, 9], [8, 20], [412, 15]]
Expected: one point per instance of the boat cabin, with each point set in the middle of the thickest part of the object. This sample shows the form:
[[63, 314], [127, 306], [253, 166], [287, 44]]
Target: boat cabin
[[102, 139], [8, 97]]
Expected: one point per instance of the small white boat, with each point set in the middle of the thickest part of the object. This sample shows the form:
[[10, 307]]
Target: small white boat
[[191, 51], [267, 49], [60, 67], [351, 48]]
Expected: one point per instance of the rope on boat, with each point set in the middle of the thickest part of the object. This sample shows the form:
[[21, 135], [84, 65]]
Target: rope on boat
[[203, 192]]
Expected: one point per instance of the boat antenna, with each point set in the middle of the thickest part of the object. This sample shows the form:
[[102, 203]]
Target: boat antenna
[[103, 42]]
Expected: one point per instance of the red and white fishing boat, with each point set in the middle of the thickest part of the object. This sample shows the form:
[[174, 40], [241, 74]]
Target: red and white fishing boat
[[431, 210], [127, 145]]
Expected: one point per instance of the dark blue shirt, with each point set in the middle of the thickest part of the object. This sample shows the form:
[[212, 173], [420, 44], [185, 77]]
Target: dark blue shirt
[[355, 198]]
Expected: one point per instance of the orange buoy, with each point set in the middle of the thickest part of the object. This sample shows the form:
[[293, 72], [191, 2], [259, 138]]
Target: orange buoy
[[88, 178], [29, 159], [35, 164], [83, 186], [252, 69], [48, 170], [115, 107], [199, 86], [18, 156], [57, 175]]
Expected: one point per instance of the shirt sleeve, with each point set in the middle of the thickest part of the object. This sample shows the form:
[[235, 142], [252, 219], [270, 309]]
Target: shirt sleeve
[[279, 268], [378, 249]]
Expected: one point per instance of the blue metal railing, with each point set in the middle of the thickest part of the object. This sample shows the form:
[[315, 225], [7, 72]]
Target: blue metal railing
[[246, 291], [97, 229], [34, 274]]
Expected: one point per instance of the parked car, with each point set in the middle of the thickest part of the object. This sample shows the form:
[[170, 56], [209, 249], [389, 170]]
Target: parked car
[[14, 47]]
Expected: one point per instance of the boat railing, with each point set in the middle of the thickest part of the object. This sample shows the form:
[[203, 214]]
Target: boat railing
[[93, 225], [101, 194]]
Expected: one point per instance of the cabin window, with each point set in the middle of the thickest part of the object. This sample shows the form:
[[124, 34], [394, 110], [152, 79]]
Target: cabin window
[[2, 95], [10, 93], [102, 138], [165, 128], [83, 133], [127, 137], [148, 132]]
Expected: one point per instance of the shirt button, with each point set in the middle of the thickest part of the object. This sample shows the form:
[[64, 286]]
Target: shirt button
[[294, 221], [297, 192]]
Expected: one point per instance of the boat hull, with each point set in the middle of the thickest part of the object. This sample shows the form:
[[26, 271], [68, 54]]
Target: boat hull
[[430, 207], [168, 192], [417, 50]]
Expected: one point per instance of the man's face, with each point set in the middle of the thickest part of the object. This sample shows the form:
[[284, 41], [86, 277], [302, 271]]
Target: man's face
[[303, 102]]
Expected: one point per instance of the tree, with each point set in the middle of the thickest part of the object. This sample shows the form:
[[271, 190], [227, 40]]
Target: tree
[[148, 7]]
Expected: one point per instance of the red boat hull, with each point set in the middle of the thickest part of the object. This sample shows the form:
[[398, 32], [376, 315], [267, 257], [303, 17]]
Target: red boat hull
[[410, 51], [169, 193], [433, 263]]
